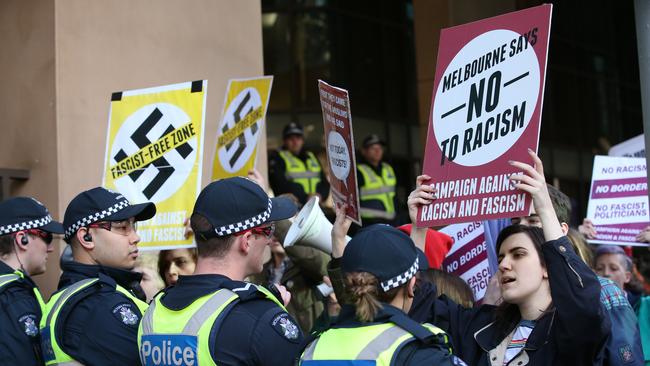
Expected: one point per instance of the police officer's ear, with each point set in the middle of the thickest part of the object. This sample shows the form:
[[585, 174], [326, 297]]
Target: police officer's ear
[[410, 288], [242, 243], [85, 238], [22, 240]]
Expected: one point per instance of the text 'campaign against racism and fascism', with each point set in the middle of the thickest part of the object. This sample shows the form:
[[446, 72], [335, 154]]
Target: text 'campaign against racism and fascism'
[[486, 111]]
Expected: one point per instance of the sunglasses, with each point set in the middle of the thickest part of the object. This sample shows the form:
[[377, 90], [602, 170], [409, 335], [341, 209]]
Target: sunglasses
[[46, 236], [266, 231]]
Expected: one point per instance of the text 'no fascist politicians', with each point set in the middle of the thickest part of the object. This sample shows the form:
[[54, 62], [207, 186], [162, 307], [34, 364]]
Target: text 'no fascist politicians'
[[484, 95], [442, 210]]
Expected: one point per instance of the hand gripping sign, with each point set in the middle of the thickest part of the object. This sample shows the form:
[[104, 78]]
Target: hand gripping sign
[[618, 201], [154, 153], [486, 110], [337, 122], [242, 123]]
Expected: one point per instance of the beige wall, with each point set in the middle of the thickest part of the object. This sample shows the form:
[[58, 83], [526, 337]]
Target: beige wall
[[430, 16], [62, 59]]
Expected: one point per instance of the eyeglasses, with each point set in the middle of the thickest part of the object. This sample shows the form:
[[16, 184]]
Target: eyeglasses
[[124, 228], [266, 231], [46, 236]]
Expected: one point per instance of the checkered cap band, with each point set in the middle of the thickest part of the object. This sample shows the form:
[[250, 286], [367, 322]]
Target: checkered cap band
[[254, 221], [12, 228], [97, 216], [401, 279]]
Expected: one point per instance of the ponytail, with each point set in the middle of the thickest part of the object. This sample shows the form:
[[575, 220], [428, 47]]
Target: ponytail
[[363, 288]]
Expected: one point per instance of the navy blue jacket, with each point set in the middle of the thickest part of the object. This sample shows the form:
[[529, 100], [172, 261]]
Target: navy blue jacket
[[572, 333], [250, 332], [93, 330], [20, 316]]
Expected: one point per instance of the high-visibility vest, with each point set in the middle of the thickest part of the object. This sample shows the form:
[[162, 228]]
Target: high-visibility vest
[[378, 342], [53, 354], [9, 278], [181, 337], [378, 188], [308, 176]]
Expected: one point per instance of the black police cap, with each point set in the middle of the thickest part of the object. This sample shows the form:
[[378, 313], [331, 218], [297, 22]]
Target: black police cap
[[383, 251], [292, 129], [101, 204], [24, 213], [236, 204]]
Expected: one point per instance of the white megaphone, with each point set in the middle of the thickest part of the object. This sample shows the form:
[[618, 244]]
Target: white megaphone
[[311, 228]]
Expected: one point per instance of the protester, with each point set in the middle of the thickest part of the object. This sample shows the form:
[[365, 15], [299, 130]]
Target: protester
[[377, 182], [151, 281], [296, 170], [611, 262], [26, 229], [550, 297], [226, 320], [623, 346], [176, 262], [436, 245], [93, 317], [379, 266]]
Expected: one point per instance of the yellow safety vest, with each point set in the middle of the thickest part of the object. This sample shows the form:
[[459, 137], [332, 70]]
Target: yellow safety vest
[[171, 337], [52, 351], [8, 278], [307, 176], [378, 342], [378, 188]]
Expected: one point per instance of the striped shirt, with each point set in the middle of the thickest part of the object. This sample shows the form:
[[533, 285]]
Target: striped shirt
[[519, 339]]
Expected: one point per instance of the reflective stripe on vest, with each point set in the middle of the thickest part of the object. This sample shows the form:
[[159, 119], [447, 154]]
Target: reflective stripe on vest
[[296, 171], [378, 188], [379, 343], [53, 354], [170, 337], [8, 278]]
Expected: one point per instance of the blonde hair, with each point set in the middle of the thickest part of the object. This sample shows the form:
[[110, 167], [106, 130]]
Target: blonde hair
[[581, 247], [363, 288]]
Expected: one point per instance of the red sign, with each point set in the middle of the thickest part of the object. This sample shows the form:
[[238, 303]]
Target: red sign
[[337, 121], [486, 110]]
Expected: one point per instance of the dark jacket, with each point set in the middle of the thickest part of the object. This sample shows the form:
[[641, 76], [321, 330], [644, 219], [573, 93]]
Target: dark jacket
[[281, 185], [19, 320], [304, 271], [92, 330], [573, 332]]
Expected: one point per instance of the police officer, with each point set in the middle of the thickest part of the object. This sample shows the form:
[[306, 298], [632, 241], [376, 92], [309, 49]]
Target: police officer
[[376, 180], [26, 229], [296, 170], [214, 317], [93, 318], [379, 265]]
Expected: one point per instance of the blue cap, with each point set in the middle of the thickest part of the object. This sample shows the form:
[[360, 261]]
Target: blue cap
[[383, 251], [24, 213], [236, 204], [101, 204]]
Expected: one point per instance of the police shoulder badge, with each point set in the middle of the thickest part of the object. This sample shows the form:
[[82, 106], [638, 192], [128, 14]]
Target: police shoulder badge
[[28, 323], [125, 314], [285, 326]]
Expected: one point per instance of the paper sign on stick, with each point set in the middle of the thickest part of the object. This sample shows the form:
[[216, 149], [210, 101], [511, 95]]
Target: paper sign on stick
[[633, 148], [486, 110], [154, 153], [337, 120], [244, 111], [468, 257], [618, 200]]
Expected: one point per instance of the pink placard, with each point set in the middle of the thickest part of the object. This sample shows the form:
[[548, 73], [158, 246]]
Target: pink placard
[[486, 110]]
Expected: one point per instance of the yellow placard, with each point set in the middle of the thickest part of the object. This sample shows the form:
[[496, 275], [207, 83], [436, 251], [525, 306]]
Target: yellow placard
[[154, 154], [242, 123]]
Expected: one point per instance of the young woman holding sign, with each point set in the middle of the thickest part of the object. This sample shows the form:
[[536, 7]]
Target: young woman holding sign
[[550, 314]]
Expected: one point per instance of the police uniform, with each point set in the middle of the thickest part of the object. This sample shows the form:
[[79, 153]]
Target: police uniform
[[376, 189], [210, 319], [20, 299], [300, 175], [391, 338], [93, 317]]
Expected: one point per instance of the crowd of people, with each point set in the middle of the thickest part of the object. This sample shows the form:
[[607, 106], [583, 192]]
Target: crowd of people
[[553, 300]]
